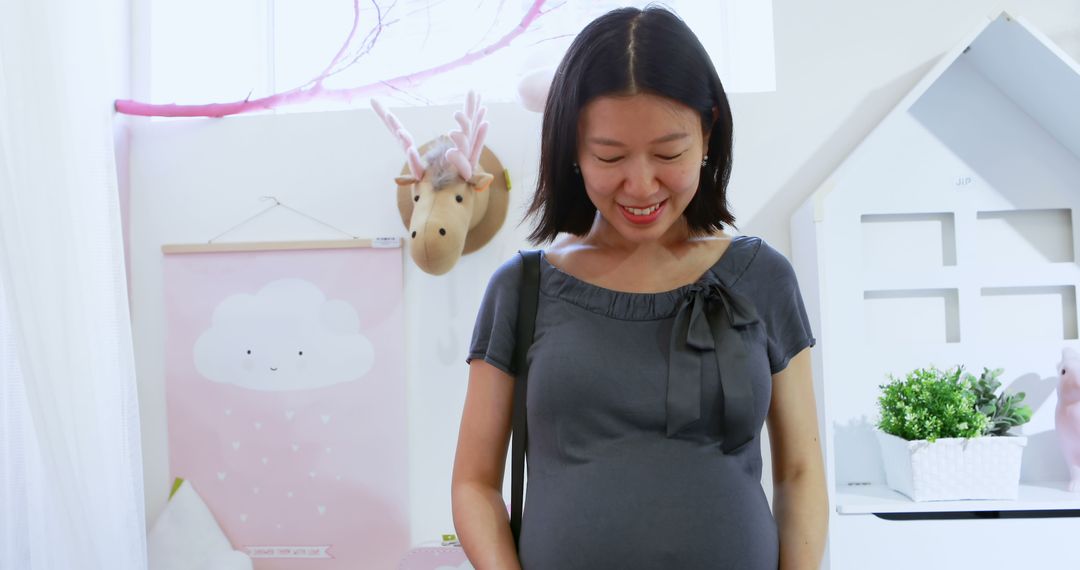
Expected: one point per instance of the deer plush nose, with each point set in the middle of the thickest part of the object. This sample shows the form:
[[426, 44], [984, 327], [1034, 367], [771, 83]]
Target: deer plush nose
[[437, 245]]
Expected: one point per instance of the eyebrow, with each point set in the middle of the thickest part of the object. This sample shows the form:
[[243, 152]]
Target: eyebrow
[[611, 142]]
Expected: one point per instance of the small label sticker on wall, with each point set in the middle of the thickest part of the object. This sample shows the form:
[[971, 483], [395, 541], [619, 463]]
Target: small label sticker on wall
[[386, 242]]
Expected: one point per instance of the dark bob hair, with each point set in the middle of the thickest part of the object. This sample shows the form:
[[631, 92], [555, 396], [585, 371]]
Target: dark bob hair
[[622, 53]]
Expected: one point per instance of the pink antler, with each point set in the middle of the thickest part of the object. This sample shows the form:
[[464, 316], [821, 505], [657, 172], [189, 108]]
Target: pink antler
[[469, 141], [416, 166]]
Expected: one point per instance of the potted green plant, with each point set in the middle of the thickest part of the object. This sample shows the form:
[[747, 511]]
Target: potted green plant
[[944, 435], [1003, 411]]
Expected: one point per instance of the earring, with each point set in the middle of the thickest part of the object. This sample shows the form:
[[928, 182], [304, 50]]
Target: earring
[[576, 169], [705, 161]]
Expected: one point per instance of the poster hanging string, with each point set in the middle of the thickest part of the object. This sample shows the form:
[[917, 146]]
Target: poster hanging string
[[276, 204]]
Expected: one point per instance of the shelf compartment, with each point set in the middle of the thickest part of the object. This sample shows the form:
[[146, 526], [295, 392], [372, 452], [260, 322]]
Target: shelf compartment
[[912, 316], [899, 243], [1024, 237], [1043, 312]]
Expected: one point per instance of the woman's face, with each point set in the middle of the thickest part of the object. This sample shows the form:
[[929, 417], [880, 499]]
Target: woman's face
[[640, 157]]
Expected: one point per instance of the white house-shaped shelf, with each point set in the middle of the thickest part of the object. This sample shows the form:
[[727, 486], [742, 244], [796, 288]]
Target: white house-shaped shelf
[[948, 237]]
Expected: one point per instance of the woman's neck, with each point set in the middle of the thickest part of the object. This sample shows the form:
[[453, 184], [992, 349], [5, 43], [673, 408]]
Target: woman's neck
[[604, 236]]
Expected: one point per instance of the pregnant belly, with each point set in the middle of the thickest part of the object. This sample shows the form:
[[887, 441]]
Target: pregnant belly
[[698, 510]]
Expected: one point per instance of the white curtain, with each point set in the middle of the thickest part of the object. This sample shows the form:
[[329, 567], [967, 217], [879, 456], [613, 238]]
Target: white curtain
[[71, 492]]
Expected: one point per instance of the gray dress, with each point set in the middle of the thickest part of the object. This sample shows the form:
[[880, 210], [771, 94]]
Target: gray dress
[[645, 413]]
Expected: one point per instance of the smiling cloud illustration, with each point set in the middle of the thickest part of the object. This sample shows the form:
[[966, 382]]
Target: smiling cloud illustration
[[287, 336]]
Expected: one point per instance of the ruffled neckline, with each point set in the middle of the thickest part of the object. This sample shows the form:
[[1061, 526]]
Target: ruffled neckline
[[630, 306]]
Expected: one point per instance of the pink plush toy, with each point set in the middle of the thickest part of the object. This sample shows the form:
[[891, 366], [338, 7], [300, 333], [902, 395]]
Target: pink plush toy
[[1067, 416]]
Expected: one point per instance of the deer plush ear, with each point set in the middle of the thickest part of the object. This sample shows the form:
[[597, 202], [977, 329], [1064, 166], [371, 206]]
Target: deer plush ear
[[481, 181], [405, 180]]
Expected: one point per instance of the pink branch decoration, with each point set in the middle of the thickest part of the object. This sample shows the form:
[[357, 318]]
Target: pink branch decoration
[[365, 46], [348, 40], [314, 89]]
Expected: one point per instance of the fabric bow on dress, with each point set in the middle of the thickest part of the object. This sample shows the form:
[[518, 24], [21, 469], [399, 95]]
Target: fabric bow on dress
[[707, 321]]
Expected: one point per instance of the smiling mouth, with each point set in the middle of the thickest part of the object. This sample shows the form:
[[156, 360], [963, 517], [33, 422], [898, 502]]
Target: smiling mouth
[[643, 211], [643, 216]]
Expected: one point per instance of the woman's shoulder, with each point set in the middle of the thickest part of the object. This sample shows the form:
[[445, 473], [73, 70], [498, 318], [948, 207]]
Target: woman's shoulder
[[566, 249], [768, 258], [508, 274], [756, 262]]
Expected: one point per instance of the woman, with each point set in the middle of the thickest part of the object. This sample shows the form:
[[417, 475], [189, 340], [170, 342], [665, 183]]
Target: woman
[[662, 344]]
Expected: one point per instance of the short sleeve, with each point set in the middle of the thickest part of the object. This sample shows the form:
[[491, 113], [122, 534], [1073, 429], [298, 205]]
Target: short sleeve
[[770, 279], [496, 321]]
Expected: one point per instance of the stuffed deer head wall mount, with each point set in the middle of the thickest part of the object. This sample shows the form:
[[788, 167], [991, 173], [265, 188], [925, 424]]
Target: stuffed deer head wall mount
[[452, 192]]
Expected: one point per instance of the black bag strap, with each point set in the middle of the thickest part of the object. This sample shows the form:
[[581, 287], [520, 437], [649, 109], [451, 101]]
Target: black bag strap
[[526, 324]]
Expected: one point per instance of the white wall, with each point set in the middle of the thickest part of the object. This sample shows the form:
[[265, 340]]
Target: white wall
[[841, 66]]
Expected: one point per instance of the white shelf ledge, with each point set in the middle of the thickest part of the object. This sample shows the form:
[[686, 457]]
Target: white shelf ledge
[[871, 499]]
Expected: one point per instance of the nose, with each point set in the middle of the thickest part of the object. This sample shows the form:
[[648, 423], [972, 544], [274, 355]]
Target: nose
[[640, 178]]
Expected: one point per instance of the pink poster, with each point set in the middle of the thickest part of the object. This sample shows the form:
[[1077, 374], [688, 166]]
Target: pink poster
[[285, 382]]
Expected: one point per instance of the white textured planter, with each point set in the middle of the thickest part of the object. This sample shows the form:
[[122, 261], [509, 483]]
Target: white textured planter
[[953, 468]]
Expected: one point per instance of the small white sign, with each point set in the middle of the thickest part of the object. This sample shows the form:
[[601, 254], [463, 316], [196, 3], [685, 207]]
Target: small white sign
[[386, 242]]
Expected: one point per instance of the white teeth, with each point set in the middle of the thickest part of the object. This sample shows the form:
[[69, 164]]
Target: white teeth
[[640, 212]]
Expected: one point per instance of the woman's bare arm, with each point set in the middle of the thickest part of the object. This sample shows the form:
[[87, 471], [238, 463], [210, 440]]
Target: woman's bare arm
[[480, 516], [800, 499]]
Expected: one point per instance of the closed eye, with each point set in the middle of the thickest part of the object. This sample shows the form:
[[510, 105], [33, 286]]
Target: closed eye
[[615, 159], [618, 158]]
